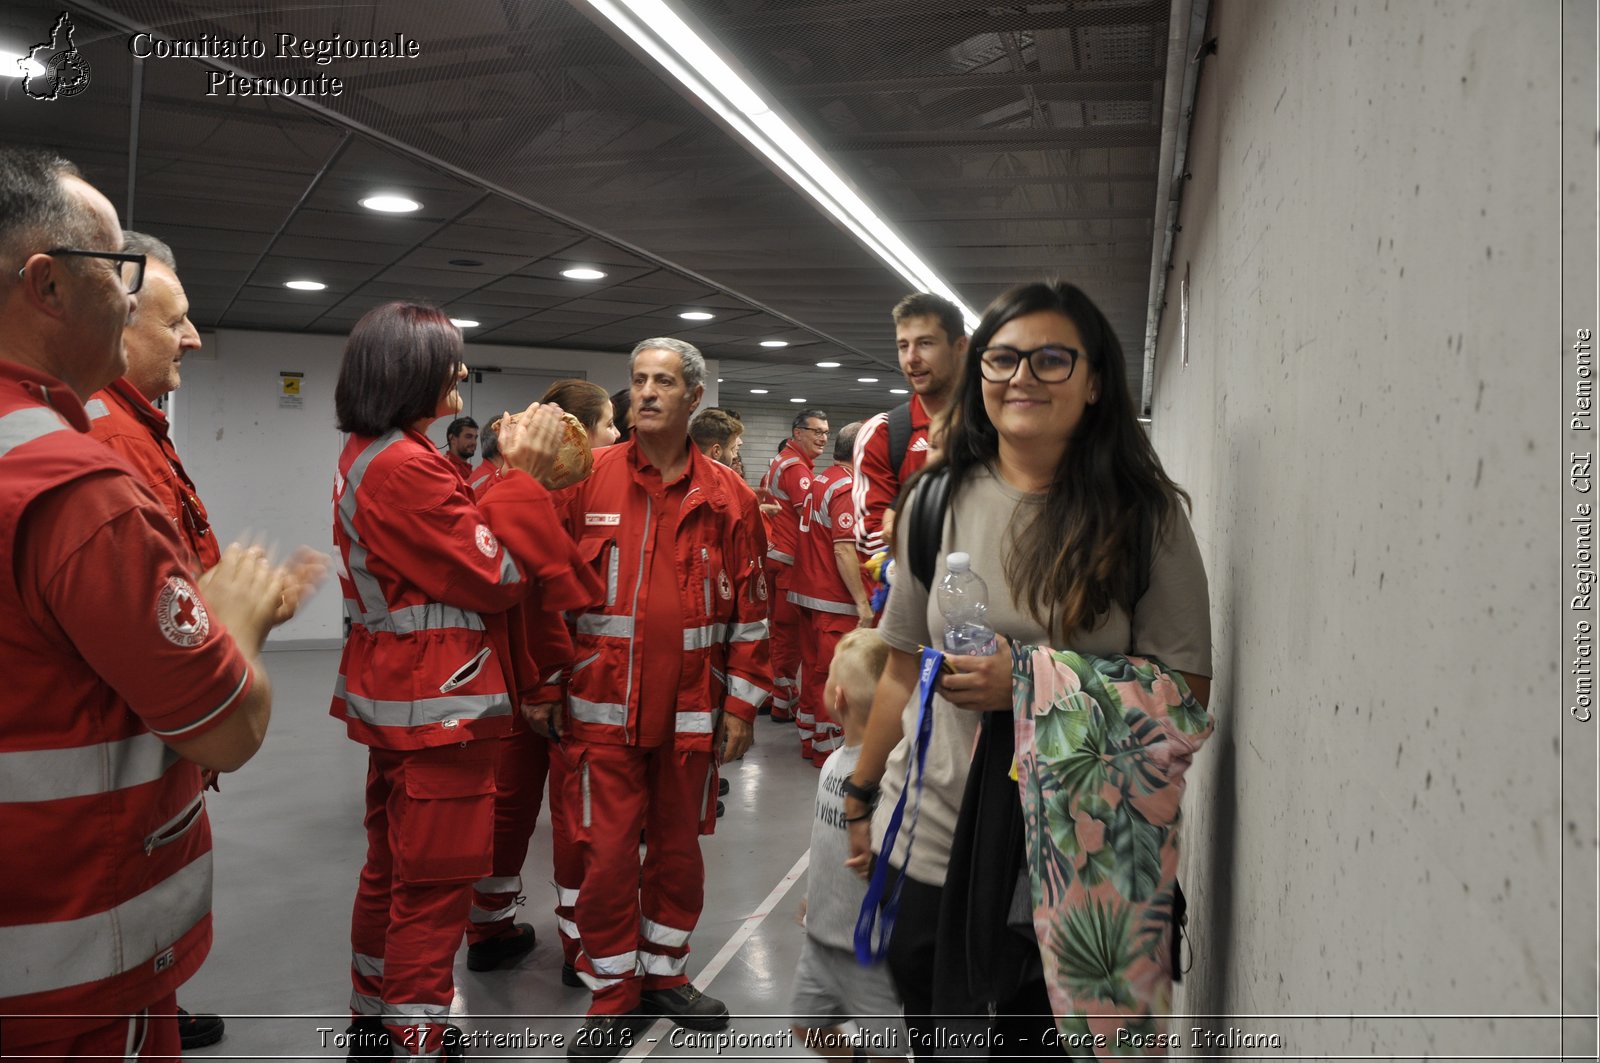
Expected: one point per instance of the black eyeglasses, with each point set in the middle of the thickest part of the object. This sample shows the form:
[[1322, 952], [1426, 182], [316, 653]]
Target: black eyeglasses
[[813, 431], [132, 269], [1049, 364]]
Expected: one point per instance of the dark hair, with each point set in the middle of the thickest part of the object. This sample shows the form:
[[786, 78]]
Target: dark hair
[[715, 425], [926, 304], [581, 398], [399, 360], [489, 441], [844, 448], [36, 212], [1070, 564], [803, 416], [457, 425], [621, 404]]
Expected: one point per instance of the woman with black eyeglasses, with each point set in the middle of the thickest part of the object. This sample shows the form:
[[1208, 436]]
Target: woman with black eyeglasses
[[1085, 544]]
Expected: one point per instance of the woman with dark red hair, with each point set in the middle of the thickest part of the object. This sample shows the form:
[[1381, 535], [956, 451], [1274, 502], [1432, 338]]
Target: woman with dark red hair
[[419, 683]]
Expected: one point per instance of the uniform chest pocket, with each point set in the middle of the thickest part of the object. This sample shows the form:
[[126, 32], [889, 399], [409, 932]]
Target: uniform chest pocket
[[601, 554], [716, 587]]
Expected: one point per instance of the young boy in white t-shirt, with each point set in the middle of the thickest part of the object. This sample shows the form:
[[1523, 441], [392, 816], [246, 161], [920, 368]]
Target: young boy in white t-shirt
[[829, 986]]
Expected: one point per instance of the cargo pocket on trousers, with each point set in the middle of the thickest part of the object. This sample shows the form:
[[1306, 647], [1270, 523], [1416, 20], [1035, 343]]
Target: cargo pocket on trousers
[[446, 833]]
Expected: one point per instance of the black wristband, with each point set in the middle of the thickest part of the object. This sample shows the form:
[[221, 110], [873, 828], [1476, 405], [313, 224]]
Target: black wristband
[[857, 819], [867, 795]]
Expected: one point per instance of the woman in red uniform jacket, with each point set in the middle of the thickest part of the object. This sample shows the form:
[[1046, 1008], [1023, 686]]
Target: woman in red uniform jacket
[[419, 682]]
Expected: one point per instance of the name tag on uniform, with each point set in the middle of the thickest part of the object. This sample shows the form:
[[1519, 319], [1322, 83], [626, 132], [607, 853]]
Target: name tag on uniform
[[602, 520]]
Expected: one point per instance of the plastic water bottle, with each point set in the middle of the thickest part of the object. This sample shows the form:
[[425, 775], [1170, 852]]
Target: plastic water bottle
[[964, 601]]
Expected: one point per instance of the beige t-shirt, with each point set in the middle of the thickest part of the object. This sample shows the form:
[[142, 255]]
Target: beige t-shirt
[[1172, 621]]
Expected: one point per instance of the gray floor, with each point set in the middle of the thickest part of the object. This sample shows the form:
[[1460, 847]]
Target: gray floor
[[289, 845]]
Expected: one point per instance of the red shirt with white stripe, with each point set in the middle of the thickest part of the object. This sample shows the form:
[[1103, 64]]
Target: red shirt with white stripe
[[877, 480], [829, 519], [788, 478]]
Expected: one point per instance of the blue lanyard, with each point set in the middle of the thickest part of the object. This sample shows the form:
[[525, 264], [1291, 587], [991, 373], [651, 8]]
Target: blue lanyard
[[869, 948]]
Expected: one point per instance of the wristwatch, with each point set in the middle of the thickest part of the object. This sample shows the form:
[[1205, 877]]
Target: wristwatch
[[867, 795]]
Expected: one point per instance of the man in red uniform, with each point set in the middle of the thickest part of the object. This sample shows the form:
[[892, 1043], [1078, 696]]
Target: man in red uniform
[[461, 443], [828, 588], [932, 342], [124, 680], [670, 671], [787, 480]]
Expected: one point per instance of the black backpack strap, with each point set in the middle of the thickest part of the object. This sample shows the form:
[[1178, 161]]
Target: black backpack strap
[[899, 436], [924, 517]]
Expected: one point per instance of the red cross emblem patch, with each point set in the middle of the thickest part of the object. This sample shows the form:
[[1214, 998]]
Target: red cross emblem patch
[[180, 614]]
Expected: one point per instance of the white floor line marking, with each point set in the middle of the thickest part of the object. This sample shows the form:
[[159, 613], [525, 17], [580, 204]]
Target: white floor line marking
[[650, 1038]]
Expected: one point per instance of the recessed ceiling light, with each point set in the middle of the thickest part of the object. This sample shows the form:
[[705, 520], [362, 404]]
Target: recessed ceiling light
[[797, 400], [583, 273], [827, 365], [305, 286], [774, 343], [390, 204], [464, 322], [758, 391], [898, 391], [696, 315], [14, 66], [866, 380]]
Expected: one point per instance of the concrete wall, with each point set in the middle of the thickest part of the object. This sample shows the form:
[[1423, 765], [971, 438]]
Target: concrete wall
[[1369, 425], [768, 424]]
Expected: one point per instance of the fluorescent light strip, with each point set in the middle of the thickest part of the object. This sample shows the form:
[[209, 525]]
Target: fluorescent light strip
[[657, 29]]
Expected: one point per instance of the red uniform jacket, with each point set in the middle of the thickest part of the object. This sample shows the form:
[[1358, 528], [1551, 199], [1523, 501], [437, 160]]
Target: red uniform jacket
[[877, 481], [107, 649], [722, 592], [788, 478], [420, 566], [125, 421], [829, 518]]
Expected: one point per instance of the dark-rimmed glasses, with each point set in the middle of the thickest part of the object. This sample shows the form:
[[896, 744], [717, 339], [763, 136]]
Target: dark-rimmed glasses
[[1049, 364], [819, 432], [131, 271]]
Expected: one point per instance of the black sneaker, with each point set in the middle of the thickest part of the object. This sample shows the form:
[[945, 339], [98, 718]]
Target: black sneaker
[[722, 787], [369, 1041], [569, 976], [501, 951], [603, 1038], [686, 1006], [722, 809], [198, 1031]]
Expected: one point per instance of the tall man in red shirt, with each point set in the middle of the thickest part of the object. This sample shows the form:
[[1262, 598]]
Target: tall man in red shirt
[[787, 480], [931, 340], [828, 588], [670, 671], [125, 674]]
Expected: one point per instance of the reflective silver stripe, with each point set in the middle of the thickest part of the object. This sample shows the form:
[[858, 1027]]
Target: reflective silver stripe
[[597, 712], [580, 666], [367, 966], [434, 616], [597, 984], [693, 723], [833, 489], [508, 569], [755, 632], [485, 915], [46, 956], [362, 1004], [366, 583], [611, 573], [700, 638], [56, 774], [503, 884], [746, 691], [663, 965], [426, 710], [622, 964], [660, 934], [822, 605], [567, 927], [408, 1014], [96, 409], [611, 627], [779, 555], [244, 682], [566, 898], [26, 425]]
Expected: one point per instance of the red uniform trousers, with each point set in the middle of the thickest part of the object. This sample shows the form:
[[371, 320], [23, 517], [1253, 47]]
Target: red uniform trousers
[[635, 930], [520, 770], [820, 633], [430, 829], [783, 628], [149, 1037], [567, 856]]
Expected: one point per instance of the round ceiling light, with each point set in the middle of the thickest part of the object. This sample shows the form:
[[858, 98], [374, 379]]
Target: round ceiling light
[[696, 315], [866, 380], [758, 391], [898, 391], [583, 273], [464, 322], [828, 365], [797, 400], [774, 343], [305, 286], [391, 204]]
